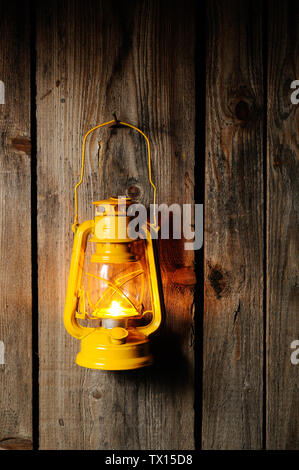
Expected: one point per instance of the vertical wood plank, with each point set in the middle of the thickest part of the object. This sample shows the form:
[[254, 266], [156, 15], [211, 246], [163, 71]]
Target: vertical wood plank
[[135, 59], [15, 233], [282, 227], [233, 318]]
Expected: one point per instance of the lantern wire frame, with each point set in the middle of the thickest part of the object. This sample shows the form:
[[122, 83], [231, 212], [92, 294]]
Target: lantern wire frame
[[109, 123]]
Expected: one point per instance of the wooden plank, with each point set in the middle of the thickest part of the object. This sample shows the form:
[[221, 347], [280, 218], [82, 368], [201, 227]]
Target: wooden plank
[[233, 317], [282, 227], [15, 233], [94, 59]]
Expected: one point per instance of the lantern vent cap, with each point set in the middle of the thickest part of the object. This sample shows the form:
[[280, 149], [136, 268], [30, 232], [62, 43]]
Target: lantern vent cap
[[113, 206]]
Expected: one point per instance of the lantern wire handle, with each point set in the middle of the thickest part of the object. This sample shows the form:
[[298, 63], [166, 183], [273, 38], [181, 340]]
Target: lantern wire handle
[[114, 121]]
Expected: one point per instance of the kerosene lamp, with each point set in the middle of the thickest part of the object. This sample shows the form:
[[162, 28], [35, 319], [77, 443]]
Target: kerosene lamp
[[113, 283]]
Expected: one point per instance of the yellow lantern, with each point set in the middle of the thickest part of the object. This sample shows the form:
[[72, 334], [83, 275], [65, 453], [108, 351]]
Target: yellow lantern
[[113, 283]]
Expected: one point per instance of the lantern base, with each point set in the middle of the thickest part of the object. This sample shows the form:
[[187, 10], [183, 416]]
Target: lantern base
[[98, 352]]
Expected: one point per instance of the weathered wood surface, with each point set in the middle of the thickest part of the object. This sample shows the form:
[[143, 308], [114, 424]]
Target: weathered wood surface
[[15, 233], [135, 59], [282, 227], [233, 318]]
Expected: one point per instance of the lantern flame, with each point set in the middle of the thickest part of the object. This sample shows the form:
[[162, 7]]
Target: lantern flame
[[115, 309]]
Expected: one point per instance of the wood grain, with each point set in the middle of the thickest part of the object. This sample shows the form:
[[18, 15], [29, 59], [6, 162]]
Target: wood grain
[[15, 223], [282, 227], [135, 59], [233, 318]]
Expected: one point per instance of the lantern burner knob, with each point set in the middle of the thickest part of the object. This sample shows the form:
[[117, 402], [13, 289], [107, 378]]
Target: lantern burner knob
[[118, 335]]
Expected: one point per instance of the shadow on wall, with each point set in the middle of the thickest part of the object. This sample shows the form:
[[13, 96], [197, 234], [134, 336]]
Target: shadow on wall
[[172, 369]]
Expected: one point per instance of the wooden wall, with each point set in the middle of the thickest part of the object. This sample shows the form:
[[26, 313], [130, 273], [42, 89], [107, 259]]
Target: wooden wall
[[15, 232], [209, 82]]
